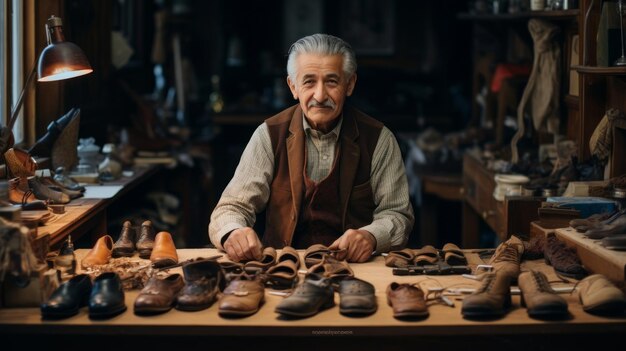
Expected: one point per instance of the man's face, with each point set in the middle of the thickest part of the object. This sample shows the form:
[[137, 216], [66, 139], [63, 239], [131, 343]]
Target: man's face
[[322, 88]]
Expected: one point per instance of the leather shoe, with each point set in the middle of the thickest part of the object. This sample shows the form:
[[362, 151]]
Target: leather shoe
[[407, 301], [164, 251], [284, 274], [267, 260], [599, 296], [242, 297], [145, 242], [313, 295], [491, 299], [159, 294], [99, 254], [563, 259], [68, 298], [332, 268], [356, 297], [107, 296], [203, 280], [125, 244]]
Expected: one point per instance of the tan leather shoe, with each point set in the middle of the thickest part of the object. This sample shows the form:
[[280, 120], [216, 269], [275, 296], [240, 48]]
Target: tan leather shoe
[[164, 251], [508, 256], [99, 254], [492, 299], [242, 297], [540, 299], [599, 296], [406, 300]]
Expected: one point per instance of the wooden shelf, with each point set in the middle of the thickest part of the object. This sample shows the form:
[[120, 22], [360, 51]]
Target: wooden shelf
[[553, 15], [603, 71]]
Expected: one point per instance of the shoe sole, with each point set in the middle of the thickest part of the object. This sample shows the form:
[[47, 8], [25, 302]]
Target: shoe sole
[[289, 313], [58, 315], [107, 314], [357, 311]]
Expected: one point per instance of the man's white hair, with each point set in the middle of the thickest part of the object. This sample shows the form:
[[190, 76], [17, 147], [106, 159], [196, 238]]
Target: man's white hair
[[321, 44]]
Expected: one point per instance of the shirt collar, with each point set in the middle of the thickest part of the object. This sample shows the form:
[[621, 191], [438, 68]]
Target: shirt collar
[[309, 130]]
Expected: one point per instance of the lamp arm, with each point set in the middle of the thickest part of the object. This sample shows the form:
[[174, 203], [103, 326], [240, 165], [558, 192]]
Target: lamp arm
[[16, 109]]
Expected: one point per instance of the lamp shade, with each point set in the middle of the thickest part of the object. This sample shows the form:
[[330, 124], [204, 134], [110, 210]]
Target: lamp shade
[[60, 59]]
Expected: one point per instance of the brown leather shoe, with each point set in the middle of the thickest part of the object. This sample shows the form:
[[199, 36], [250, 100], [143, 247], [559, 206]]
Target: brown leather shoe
[[99, 254], [508, 257], [563, 259], [491, 299], [242, 297], [284, 274], [406, 301], [453, 255], [314, 254], [164, 253], [145, 242], [159, 294], [125, 244], [267, 260], [425, 256], [540, 300], [20, 194], [400, 258], [203, 280], [332, 268], [20, 163]]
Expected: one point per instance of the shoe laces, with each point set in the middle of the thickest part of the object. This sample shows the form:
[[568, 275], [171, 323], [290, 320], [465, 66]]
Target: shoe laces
[[508, 254], [541, 282]]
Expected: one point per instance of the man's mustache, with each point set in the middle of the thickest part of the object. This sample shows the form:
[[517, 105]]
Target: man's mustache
[[326, 103]]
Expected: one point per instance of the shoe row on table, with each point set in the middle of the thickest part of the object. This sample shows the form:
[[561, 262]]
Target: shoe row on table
[[609, 228], [493, 298], [237, 287]]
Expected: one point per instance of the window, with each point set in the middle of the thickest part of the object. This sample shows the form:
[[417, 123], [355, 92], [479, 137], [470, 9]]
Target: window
[[4, 84], [11, 61]]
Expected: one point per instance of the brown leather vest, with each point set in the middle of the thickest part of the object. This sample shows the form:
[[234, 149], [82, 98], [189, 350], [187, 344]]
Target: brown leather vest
[[358, 138]]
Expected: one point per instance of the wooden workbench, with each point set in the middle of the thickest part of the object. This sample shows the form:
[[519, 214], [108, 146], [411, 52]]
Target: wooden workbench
[[444, 324]]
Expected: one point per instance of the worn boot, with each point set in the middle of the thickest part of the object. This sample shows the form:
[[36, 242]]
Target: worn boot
[[508, 256], [145, 242], [204, 279], [539, 298], [125, 244], [492, 299]]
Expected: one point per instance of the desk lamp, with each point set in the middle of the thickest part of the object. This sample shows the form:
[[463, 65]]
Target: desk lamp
[[58, 61]]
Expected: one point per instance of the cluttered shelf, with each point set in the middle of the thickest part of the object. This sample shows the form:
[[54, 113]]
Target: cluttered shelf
[[87, 215]]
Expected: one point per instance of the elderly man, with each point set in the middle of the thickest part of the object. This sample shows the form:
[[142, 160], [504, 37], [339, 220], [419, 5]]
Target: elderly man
[[323, 173]]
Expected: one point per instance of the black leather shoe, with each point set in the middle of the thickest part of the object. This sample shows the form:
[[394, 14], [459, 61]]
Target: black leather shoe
[[67, 181], [107, 296], [125, 244], [43, 146], [313, 295], [68, 298]]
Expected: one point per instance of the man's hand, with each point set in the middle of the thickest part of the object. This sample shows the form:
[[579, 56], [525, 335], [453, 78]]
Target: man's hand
[[243, 244], [359, 245]]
